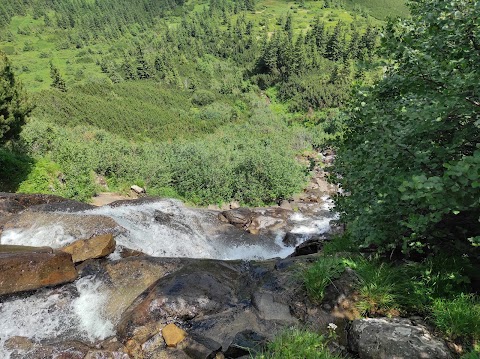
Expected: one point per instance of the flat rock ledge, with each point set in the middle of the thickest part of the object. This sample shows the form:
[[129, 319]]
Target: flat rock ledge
[[385, 338], [27, 270]]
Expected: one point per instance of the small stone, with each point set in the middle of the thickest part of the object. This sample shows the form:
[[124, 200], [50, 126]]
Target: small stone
[[134, 349], [286, 205], [106, 354], [96, 247], [137, 189], [234, 205], [173, 335], [21, 343]]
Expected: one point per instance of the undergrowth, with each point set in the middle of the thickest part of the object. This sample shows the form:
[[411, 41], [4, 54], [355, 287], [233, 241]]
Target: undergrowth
[[436, 288], [298, 344]]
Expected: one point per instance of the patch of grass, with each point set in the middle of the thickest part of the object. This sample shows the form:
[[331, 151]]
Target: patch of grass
[[379, 9], [298, 344], [458, 317], [319, 275], [474, 354], [377, 290]]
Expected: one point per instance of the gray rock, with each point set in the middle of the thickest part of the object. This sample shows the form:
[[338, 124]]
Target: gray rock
[[238, 217], [292, 239], [384, 338], [270, 309], [246, 343]]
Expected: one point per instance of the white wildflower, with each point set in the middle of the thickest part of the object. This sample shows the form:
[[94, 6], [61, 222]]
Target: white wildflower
[[332, 326]]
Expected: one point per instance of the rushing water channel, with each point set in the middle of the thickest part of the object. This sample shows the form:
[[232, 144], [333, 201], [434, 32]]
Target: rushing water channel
[[76, 311]]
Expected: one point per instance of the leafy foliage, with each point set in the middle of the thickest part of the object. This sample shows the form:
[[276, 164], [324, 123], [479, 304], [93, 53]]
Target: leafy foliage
[[409, 160]]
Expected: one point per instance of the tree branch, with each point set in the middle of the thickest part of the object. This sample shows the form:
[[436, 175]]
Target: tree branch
[[473, 102]]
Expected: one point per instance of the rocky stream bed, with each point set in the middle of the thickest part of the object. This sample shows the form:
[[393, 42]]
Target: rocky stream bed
[[153, 278]]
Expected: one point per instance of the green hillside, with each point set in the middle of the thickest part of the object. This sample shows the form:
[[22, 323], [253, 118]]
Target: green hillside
[[153, 74]]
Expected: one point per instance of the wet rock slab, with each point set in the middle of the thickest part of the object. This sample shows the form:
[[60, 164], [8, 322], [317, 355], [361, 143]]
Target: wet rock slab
[[12, 203], [23, 271]]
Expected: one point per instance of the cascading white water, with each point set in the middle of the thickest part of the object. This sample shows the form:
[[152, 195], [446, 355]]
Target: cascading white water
[[165, 228], [68, 312], [187, 232]]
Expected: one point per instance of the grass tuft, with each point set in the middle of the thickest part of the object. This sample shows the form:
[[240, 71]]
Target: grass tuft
[[298, 344]]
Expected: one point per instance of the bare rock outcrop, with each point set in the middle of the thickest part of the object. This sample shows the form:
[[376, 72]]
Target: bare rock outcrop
[[382, 338]]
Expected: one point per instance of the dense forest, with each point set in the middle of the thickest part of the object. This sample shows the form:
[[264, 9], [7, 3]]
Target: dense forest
[[214, 101]]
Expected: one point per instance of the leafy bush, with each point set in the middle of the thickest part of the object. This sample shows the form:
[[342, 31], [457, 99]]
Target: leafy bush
[[43, 178], [14, 168], [410, 156], [298, 344], [252, 162], [203, 97]]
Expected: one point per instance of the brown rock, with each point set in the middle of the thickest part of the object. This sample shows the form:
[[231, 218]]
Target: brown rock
[[105, 354], [96, 247], [21, 343], [134, 349], [11, 203], [173, 335], [10, 248], [29, 271]]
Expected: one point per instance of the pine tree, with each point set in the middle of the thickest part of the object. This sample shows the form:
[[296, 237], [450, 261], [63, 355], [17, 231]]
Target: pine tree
[[57, 81], [334, 45], [143, 69], [14, 106]]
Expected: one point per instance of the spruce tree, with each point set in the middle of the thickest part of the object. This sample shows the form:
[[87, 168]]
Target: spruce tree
[[14, 106], [57, 81]]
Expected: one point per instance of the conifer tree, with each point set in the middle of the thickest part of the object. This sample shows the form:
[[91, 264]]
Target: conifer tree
[[14, 106], [57, 81]]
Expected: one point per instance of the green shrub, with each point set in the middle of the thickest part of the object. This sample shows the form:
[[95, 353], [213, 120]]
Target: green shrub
[[321, 274], [203, 97], [339, 244], [458, 317], [14, 168], [298, 344], [43, 178]]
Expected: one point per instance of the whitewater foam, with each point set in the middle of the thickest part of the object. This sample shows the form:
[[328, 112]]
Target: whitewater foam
[[62, 312]]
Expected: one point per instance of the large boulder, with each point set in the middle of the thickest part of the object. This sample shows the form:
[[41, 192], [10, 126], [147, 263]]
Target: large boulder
[[22, 271], [12, 203], [214, 301], [55, 229], [239, 217], [96, 247], [385, 338]]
